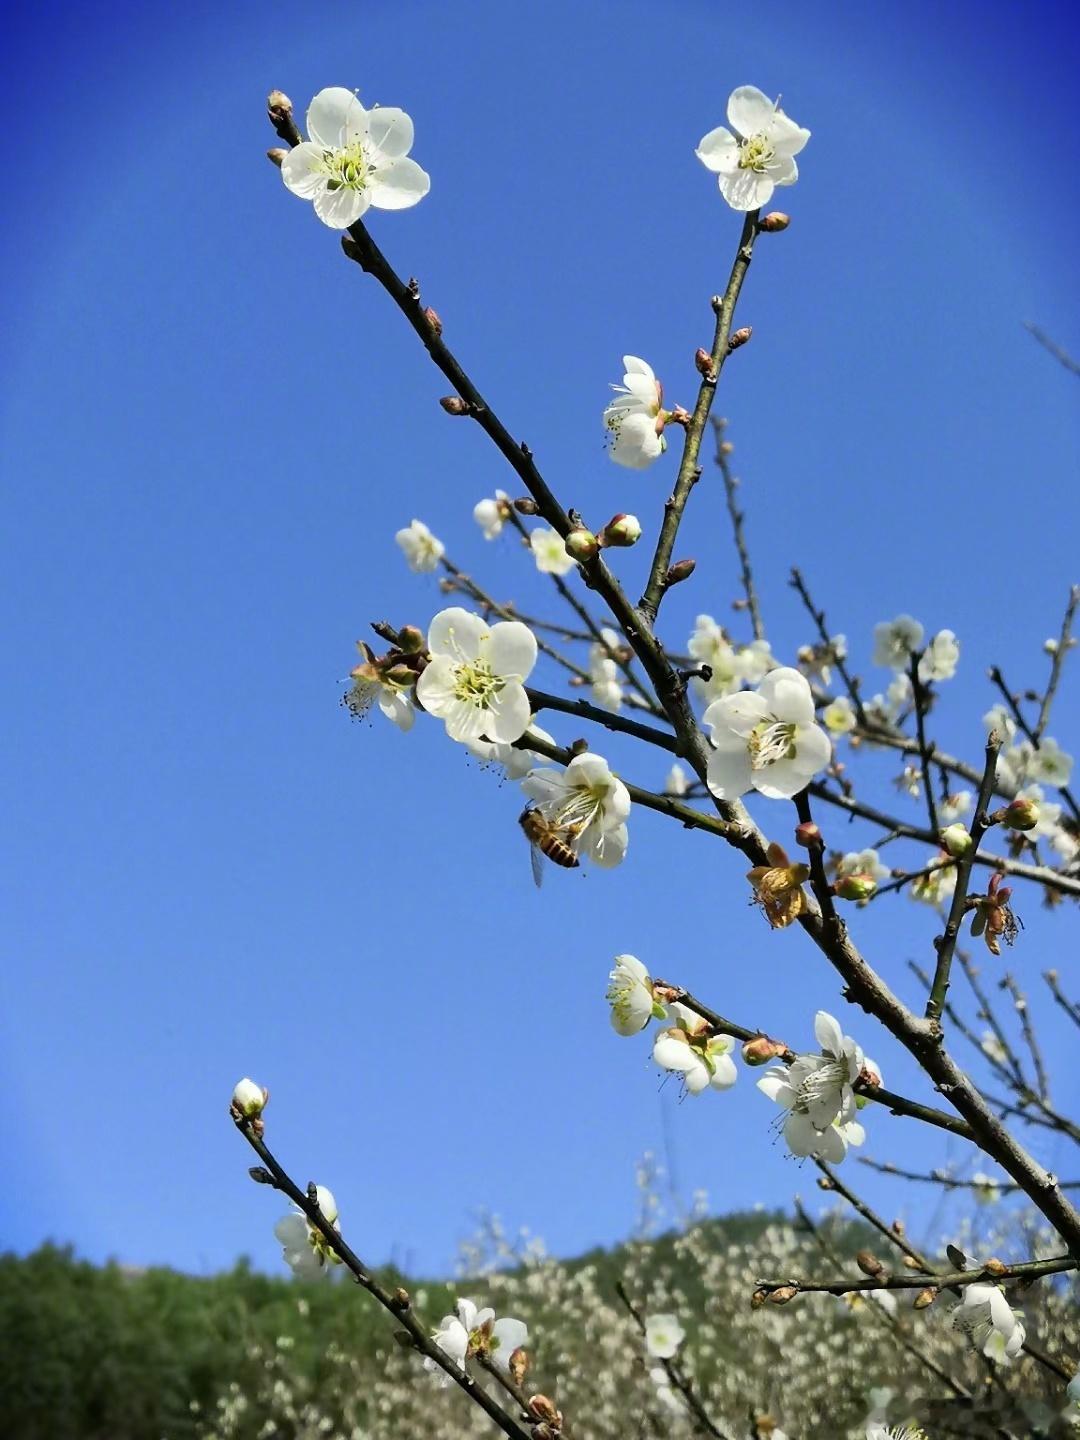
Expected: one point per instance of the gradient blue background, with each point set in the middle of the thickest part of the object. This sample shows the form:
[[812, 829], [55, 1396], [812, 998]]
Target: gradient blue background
[[212, 428]]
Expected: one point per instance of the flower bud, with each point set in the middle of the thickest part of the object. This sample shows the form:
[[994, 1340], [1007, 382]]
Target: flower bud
[[774, 222], [910, 1263], [680, 571], [621, 530], [762, 1049], [956, 841], [518, 1364], [758, 1298], [739, 337], [807, 835], [994, 1266], [526, 506], [399, 675], [401, 1298], [783, 1294], [454, 405], [1021, 814], [855, 887], [278, 105], [869, 1264], [249, 1099], [433, 320], [276, 154], [260, 1175], [582, 545], [411, 639], [703, 363], [726, 447], [925, 1298], [544, 1409]]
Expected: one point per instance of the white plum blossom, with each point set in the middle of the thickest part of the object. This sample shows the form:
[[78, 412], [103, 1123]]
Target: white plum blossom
[[690, 1049], [816, 661], [420, 547], [354, 158], [989, 1322], [992, 1047], [306, 1250], [587, 803], [766, 740], [938, 884], [635, 419], [515, 761], [998, 718], [490, 515], [677, 782], [895, 641], [667, 1395], [663, 1336], [472, 1331], [940, 658], [475, 679], [861, 866], [1051, 764], [986, 1188], [731, 668], [607, 690], [955, 806], [393, 693], [630, 995], [550, 552], [839, 716], [817, 1092], [249, 1099], [760, 154]]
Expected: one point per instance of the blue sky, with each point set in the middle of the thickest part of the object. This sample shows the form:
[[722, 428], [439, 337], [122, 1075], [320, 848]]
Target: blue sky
[[213, 426]]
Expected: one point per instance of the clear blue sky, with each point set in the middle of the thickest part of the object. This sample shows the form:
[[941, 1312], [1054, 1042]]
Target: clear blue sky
[[213, 426]]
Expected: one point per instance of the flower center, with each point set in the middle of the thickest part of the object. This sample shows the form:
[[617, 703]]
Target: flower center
[[770, 741], [475, 683], [577, 810], [346, 168], [820, 1083], [755, 153]]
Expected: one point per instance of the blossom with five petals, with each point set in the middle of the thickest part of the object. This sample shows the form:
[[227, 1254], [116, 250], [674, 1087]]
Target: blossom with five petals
[[475, 679], [766, 740], [550, 552], [587, 803], [472, 1331], [693, 1051], [421, 548], [630, 995], [989, 1322], [760, 154], [817, 1092], [354, 158], [635, 419], [306, 1249]]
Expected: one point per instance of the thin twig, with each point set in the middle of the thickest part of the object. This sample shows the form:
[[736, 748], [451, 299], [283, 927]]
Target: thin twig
[[926, 750], [908, 1280], [731, 485], [1013, 703], [1073, 1011], [950, 1182], [851, 685], [1064, 644], [1061, 356], [1020, 1005]]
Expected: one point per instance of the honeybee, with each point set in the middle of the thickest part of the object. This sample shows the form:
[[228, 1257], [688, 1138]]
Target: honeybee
[[547, 838]]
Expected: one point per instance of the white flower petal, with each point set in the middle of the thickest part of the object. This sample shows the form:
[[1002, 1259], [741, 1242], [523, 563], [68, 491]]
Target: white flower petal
[[511, 649], [729, 774], [398, 186], [335, 117], [828, 1034], [508, 714], [746, 190], [718, 151], [301, 171], [390, 130], [341, 208], [457, 633], [787, 696], [750, 111]]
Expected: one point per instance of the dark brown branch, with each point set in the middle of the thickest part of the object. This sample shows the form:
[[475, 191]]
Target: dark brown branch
[[919, 696], [542, 700], [951, 1182], [907, 1280], [689, 470]]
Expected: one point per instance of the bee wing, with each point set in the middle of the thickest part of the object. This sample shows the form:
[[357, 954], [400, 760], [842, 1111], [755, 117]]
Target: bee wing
[[536, 858]]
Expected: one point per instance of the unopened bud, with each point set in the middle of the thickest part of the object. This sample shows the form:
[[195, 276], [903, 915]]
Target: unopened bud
[[910, 1263], [925, 1298], [399, 675], [401, 1298], [775, 221], [761, 1050], [544, 1409], [956, 841], [758, 1298], [783, 1294], [582, 545], [621, 530], [824, 1183], [518, 1364], [807, 835], [680, 571], [249, 1099], [433, 320], [739, 337], [261, 1175], [404, 1339], [276, 154], [994, 1266], [1021, 814], [855, 887], [278, 105], [454, 405], [526, 505], [726, 447], [869, 1264], [411, 639], [703, 362]]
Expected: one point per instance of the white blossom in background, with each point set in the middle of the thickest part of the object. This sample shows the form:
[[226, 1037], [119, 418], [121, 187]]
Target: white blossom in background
[[667, 1395], [607, 690], [998, 718], [490, 515], [630, 995], [986, 1188], [817, 1092], [816, 661], [759, 156], [937, 885], [989, 1322], [420, 547], [731, 667], [663, 1336], [689, 1049], [992, 1047], [955, 806], [766, 741], [895, 641], [354, 158], [588, 803], [550, 552], [373, 684], [515, 761], [635, 419], [306, 1251], [1050, 764], [863, 866], [839, 716], [940, 658], [475, 679], [677, 782]]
